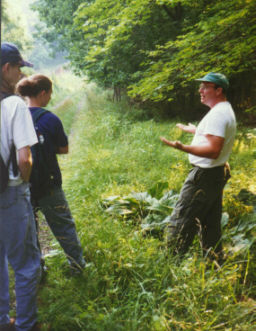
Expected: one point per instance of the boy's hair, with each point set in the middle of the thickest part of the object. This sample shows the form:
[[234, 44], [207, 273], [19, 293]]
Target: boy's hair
[[31, 86]]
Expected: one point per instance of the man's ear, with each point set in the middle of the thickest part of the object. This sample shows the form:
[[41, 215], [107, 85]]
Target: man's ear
[[5, 67], [219, 90], [42, 93]]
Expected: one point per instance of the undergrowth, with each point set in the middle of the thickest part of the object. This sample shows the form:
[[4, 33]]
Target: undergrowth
[[131, 281]]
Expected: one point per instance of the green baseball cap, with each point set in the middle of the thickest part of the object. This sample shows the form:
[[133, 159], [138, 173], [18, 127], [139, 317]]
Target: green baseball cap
[[216, 78]]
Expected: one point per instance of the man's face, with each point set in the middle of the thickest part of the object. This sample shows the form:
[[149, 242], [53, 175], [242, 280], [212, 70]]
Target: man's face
[[208, 93], [12, 73]]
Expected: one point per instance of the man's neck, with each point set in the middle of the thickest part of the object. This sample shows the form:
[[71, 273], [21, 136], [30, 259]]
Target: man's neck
[[215, 102], [33, 103], [6, 87]]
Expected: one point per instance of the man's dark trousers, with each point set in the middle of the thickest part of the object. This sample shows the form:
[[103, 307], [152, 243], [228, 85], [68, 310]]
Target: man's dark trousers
[[198, 209]]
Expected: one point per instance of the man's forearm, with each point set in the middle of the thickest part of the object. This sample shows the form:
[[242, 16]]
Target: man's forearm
[[25, 163], [203, 151], [25, 171], [211, 149]]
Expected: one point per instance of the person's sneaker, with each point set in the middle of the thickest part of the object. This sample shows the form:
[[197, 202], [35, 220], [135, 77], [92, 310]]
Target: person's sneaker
[[8, 327]]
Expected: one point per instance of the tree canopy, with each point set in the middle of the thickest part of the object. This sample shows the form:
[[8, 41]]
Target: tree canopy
[[13, 27], [155, 48]]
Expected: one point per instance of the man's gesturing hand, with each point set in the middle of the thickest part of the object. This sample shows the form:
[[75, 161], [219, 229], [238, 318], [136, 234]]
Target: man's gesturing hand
[[175, 144], [190, 128]]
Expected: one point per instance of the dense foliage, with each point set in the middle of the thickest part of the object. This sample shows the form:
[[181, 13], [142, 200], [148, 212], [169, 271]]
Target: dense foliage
[[18, 27], [155, 49], [13, 27]]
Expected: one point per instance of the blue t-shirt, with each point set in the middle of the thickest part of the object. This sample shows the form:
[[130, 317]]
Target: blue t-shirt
[[50, 126]]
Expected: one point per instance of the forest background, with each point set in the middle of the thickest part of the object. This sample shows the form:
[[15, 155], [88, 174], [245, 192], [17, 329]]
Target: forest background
[[134, 64], [153, 50]]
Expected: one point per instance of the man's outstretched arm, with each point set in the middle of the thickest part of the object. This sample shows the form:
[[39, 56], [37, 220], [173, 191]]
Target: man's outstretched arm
[[190, 128], [210, 150]]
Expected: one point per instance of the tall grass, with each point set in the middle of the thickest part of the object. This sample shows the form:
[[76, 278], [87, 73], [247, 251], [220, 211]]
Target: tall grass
[[131, 282]]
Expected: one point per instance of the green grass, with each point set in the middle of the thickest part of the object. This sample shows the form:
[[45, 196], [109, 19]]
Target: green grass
[[131, 282]]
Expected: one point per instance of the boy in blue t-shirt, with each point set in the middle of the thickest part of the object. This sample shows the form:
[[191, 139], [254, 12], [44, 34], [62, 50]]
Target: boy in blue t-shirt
[[51, 201]]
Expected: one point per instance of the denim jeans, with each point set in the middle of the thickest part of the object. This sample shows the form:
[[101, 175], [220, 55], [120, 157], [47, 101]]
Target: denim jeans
[[198, 209], [55, 208], [18, 246]]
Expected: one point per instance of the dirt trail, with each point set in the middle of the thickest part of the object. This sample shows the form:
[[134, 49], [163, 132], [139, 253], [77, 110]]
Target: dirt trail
[[60, 104]]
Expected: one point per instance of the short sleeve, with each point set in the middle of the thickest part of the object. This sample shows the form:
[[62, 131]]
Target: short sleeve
[[216, 124], [23, 128]]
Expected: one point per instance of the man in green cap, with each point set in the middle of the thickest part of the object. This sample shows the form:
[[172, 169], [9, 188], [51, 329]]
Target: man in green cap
[[199, 207]]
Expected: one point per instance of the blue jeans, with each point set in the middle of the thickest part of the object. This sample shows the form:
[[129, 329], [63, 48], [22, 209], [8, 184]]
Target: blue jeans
[[18, 246], [55, 208]]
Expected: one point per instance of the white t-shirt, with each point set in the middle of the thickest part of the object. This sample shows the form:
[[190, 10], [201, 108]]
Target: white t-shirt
[[220, 121], [16, 127]]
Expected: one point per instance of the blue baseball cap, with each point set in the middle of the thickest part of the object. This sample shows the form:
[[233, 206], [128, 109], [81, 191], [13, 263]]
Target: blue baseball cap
[[11, 54], [216, 78]]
